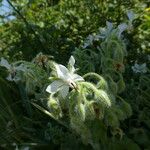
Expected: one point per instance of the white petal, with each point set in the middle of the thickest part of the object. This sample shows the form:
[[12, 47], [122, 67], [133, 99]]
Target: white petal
[[5, 63], [73, 69], [143, 65], [71, 64], [144, 70], [109, 25], [72, 61], [9, 78], [76, 77], [131, 15], [85, 45], [122, 27], [20, 68], [64, 91], [54, 86], [62, 71]]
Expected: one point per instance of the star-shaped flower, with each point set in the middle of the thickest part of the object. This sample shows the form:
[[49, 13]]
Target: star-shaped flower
[[139, 68], [66, 78], [12, 69]]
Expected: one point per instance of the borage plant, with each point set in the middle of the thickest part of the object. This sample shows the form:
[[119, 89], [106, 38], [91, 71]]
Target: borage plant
[[88, 108]]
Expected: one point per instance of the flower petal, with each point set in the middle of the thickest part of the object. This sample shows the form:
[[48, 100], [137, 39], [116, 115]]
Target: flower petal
[[76, 77], [62, 71], [20, 68], [54, 86], [122, 27], [64, 91], [143, 65], [5, 63], [109, 26], [9, 78], [71, 64], [72, 61], [131, 15]]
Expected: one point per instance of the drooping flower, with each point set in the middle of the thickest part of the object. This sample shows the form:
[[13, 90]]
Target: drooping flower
[[12, 70], [139, 68], [66, 78]]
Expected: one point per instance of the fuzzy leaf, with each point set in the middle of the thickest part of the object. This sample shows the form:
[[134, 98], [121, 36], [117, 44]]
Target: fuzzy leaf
[[103, 97]]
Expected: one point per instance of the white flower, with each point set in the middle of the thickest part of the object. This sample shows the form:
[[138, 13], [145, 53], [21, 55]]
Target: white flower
[[66, 78], [12, 69], [5, 63], [137, 68], [89, 41]]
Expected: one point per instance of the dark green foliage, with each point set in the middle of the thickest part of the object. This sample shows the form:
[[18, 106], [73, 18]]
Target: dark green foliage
[[110, 110]]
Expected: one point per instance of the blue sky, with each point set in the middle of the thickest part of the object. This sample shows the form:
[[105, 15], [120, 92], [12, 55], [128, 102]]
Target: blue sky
[[6, 9]]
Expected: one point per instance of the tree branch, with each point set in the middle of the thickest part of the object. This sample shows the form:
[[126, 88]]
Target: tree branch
[[27, 24]]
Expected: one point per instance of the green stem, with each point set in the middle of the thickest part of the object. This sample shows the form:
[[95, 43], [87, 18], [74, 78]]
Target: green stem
[[92, 74], [25, 98], [49, 114]]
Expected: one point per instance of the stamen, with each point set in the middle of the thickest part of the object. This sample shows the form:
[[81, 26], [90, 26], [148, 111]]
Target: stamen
[[73, 85]]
